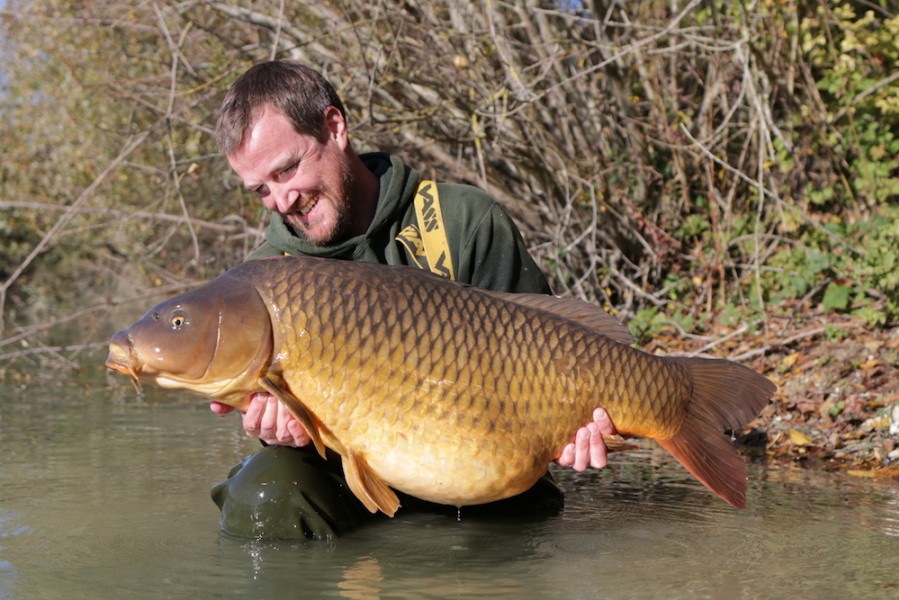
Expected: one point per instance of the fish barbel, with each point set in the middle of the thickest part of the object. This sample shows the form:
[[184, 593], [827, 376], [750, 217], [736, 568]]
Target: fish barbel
[[447, 392]]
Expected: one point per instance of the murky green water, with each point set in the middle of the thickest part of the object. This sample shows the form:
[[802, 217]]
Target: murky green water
[[104, 495]]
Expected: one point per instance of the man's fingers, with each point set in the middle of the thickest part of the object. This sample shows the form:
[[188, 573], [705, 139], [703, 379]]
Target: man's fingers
[[298, 433], [281, 432], [581, 449], [219, 408], [290, 431], [601, 418], [253, 416], [566, 459], [597, 447], [268, 426]]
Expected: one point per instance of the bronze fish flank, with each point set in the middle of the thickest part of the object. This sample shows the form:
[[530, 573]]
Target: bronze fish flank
[[444, 391]]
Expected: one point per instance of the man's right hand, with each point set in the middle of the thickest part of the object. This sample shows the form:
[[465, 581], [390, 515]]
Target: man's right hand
[[268, 420]]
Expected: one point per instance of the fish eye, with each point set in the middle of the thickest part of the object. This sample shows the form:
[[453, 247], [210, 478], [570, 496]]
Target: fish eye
[[178, 319]]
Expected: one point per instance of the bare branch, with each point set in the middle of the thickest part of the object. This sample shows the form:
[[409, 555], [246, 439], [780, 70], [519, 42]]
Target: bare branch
[[70, 212]]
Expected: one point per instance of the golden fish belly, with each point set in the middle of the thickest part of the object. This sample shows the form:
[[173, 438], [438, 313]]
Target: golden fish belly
[[452, 395]]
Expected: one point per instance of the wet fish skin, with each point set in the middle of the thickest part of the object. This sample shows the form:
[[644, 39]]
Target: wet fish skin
[[444, 391]]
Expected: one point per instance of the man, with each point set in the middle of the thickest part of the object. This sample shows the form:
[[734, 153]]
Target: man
[[284, 131]]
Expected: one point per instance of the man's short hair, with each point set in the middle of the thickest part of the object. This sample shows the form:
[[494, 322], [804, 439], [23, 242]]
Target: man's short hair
[[300, 93]]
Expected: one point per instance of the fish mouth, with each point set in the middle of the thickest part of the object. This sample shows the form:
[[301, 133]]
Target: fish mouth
[[122, 359]]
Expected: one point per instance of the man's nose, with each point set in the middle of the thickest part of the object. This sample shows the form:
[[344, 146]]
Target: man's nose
[[284, 199]]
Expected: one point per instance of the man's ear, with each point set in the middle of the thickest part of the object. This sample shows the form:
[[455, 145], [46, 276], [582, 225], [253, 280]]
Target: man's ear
[[335, 127]]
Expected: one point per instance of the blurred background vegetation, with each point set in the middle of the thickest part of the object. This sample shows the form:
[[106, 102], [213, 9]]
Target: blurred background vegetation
[[701, 164]]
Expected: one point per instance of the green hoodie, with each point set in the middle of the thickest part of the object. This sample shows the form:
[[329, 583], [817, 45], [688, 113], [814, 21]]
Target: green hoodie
[[486, 247]]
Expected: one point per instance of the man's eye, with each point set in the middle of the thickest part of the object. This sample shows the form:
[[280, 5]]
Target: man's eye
[[261, 191], [288, 172]]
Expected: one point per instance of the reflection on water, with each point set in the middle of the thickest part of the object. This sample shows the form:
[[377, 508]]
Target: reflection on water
[[103, 494]]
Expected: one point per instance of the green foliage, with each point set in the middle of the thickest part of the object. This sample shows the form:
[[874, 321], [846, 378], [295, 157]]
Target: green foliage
[[840, 245], [877, 268], [647, 323], [860, 275], [854, 58], [836, 297]]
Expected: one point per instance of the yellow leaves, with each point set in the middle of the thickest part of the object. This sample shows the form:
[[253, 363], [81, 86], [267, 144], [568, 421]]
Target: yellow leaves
[[846, 62], [882, 473], [790, 360], [800, 439], [460, 62], [862, 473], [791, 363], [790, 221]]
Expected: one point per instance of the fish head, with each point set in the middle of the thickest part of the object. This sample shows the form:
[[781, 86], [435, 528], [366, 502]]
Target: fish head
[[215, 341]]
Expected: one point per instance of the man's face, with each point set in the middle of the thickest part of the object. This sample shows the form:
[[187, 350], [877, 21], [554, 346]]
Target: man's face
[[306, 180]]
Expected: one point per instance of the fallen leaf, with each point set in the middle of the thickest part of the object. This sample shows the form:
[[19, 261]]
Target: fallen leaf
[[790, 360], [869, 364], [799, 439], [860, 473]]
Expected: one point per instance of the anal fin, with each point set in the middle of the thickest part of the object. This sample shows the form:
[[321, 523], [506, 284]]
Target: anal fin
[[368, 485]]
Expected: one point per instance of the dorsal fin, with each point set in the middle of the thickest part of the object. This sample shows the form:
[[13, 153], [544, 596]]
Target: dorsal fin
[[580, 312]]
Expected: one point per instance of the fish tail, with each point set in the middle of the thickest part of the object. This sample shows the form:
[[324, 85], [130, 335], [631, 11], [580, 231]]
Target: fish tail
[[725, 396]]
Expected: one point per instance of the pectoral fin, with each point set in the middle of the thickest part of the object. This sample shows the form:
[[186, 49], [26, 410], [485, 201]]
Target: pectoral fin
[[368, 486], [617, 443], [302, 414]]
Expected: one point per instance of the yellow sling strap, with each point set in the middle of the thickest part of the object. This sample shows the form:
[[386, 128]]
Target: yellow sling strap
[[432, 229]]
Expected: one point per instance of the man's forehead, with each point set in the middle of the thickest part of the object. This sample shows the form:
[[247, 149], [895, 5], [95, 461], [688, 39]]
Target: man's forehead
[[265, 122]]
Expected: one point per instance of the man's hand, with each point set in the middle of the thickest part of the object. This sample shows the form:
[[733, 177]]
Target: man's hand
[[268, 420], [588, 449]]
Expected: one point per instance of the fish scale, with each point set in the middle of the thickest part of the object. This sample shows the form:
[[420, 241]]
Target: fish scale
[[441, 390]]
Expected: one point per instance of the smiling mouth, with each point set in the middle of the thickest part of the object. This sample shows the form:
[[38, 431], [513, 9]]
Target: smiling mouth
[[307, 206]]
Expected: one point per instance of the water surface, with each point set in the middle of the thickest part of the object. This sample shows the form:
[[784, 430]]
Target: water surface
[[104, 494]]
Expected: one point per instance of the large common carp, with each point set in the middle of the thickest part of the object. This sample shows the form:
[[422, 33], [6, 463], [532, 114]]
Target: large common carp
[[444, 391]]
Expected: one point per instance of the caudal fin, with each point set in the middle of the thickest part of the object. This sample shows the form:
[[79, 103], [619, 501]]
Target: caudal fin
[[726, 395]]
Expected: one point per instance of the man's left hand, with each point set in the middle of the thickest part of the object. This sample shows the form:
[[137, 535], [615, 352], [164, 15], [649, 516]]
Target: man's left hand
[[588, 449]]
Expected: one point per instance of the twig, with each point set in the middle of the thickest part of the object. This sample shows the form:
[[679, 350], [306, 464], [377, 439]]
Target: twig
[[51, 349], [256, 18], [763, 190], [786, 342], [239, 227], [719, 341], [629, 49], [277, 40], [71, 210], [175, 49]]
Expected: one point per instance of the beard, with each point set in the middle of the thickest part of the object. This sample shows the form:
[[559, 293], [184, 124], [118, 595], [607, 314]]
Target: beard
[[344, 216]]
